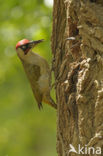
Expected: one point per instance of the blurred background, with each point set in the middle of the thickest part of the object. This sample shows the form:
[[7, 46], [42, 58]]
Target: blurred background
[[24, 130]]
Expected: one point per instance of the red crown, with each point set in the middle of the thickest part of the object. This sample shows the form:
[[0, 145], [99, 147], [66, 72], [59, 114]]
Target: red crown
[[22, 42]]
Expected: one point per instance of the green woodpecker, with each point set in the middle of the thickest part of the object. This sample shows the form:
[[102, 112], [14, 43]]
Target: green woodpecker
[[37, 71]]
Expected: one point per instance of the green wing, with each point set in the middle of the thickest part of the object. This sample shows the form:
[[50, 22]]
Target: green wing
[[33, 74]]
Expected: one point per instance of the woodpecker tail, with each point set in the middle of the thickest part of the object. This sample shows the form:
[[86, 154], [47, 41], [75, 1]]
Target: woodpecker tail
[[40, 106]]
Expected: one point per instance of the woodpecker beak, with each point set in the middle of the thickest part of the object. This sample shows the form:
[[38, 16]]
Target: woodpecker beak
[[32, 44]]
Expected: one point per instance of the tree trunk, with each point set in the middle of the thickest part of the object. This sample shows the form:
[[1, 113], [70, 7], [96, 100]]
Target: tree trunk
[[78, 70]]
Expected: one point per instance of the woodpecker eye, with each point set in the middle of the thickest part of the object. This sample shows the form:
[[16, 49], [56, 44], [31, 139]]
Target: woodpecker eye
[[24, 47]]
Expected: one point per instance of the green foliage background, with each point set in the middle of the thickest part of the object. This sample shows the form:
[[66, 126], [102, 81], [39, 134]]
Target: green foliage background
[[24, 130]]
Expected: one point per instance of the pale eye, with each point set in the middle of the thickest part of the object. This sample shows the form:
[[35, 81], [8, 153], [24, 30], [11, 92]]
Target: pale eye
[[24, 47]]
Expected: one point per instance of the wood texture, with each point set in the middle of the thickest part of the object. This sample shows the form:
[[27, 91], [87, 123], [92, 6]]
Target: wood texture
[[78, 69]]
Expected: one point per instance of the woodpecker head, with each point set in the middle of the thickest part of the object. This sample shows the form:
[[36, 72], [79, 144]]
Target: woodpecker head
[[24, 46]]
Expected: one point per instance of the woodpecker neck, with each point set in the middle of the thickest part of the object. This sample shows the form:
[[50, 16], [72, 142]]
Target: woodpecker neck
[[23, 56], [30, 57]]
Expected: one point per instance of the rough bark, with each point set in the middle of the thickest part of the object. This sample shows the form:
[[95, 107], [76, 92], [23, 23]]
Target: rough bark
[[78, 70]]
